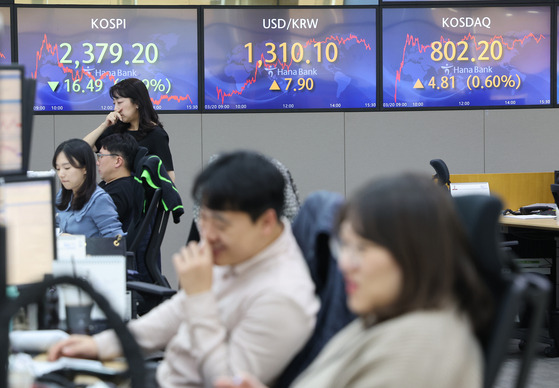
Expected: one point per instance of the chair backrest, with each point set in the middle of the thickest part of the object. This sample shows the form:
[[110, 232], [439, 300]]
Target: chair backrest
[[152, 258], [149, 286], [441, 171], [313, 228], [291, 202], [146, 246], [144, 223], [512, 291], [555, 193], [161, 198]]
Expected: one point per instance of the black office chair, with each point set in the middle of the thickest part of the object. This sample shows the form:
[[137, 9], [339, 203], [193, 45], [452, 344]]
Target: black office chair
[[150, 287], [513, 291], [442, 175], [550, 339], [161, 199], [312, 229], [148, 239], [555, 193]]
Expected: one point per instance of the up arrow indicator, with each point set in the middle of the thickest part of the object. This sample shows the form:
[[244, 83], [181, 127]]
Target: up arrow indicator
[[418, 85], [53, 85], [275, 86]]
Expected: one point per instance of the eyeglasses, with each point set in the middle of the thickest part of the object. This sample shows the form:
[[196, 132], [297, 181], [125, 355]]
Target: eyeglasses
[[354, 252], [335, 247], [99, 156]]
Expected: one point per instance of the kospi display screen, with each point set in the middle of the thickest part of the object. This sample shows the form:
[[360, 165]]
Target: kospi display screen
[[466, 57], [289, 59], [5, 36], [77, 54]]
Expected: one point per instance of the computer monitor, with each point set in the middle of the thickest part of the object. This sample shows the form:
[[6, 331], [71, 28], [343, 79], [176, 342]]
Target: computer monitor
[[29, 86], [75, 66], [289, 59], [11, 120], [464, 57], [5, 34], [3, 251], [27, 212]]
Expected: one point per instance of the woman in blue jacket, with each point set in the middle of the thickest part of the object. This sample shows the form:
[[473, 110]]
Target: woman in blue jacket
[[83, 207]]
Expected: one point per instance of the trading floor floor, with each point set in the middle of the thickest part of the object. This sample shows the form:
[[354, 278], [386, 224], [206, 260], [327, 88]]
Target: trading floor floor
[[544, 374]]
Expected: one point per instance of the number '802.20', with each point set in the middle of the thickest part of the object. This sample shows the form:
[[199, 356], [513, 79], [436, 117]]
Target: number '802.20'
[[449, 50]]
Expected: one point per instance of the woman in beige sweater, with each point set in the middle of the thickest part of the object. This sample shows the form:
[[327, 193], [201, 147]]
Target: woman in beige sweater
[[411, 280]]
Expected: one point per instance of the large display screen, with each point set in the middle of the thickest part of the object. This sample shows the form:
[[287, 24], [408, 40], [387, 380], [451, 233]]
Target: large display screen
[[77, 54], [11, 116], [289, 59], [5, 36], [27, 211], [466, 57]]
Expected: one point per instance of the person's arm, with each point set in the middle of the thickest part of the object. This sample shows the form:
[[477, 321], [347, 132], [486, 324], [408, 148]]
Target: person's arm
[[82, 346], [152, 331], [160, 147], [104, 215], [273, 327], [92, 136]]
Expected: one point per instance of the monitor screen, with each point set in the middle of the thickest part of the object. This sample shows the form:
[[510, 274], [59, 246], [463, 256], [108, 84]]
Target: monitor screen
[[27, 211], [3, 253], [11, 129], [289, 59], [77, 54], [5, 36], [557, 54], [448, 1], [466, 57]]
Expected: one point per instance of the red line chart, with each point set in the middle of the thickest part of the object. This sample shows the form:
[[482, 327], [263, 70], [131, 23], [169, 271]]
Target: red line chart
[[48, 48], [412, 41], [170, 98], [221, 95]]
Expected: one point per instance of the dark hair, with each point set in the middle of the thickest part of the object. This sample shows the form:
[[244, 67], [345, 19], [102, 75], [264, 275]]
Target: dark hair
[[122, 144], [240, 181], [137, 91], [416, 221], [80, 155]]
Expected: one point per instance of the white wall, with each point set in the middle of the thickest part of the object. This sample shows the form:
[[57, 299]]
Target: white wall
[[337, 151]]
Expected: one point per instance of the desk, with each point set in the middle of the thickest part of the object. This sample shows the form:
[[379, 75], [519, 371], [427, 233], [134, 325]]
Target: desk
[[514, 189], [532, 223], [547, 230], [119, 366], [544, 234]]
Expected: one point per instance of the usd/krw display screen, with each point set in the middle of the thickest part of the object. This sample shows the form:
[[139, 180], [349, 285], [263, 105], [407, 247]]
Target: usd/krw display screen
[[266, 59], [5, 37], [77, 54], [466, 57]]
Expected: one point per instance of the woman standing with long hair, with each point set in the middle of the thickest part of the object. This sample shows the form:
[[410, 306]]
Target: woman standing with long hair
[[134, 114]]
